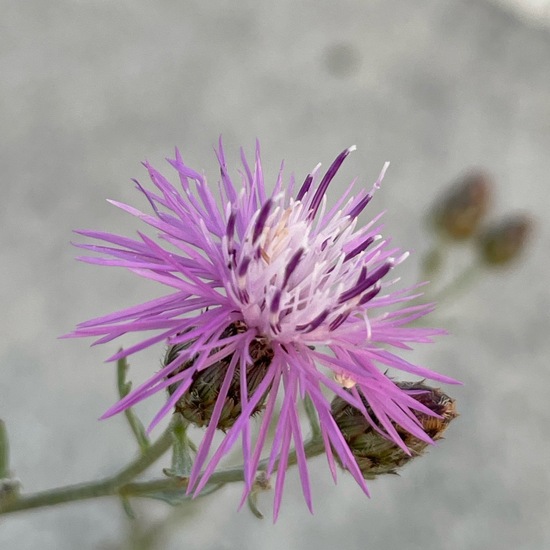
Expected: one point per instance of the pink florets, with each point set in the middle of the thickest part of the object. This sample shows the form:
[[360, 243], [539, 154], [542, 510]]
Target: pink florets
[[307, 281]]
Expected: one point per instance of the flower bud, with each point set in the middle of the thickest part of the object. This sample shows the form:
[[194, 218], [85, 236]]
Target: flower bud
[[459, 212], [504, 241], [198, 402], [375, 454]]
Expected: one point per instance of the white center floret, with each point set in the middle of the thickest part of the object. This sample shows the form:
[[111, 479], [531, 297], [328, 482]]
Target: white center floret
[[293, 277]]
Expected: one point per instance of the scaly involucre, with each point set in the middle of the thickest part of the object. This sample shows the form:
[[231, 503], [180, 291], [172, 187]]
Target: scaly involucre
[[302, 281]]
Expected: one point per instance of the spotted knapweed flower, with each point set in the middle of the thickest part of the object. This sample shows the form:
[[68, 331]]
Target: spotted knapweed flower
[[271, 294]]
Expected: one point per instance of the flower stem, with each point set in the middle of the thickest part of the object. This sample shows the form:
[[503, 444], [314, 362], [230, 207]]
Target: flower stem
[[140, 464], [4, 452], [94, 489], [433, 260], [312, 447], [121, 484], [459, 284], [311, 413], [124, 389]]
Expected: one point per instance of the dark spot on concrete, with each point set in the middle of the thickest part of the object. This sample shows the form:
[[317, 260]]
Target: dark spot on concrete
[[341, 59]]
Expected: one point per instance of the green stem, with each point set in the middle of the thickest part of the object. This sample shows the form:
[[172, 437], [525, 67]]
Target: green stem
[[312, 447], [311, 413], [182, 462], [140, 464], [121, 485], [124, 389], [94, 489], [433, 260], [461, 283], [4, 452]]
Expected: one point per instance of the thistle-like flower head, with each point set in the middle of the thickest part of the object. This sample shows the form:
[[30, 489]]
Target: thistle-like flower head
[[271, 286]]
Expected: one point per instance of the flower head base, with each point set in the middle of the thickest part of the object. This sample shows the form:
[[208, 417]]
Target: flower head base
[[461, 210], [376, 454], [503, 242], [257, 285], [198, 402]]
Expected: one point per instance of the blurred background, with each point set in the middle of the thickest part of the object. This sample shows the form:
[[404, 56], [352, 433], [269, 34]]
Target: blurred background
[[90, 88]]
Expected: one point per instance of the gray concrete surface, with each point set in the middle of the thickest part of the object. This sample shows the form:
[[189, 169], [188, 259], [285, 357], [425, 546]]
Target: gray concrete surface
[[90, 88]]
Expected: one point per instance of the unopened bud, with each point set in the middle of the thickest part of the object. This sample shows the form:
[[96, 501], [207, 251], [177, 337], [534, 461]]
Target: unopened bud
[[504, 241], [376, 454], [198, 402], [460, 211]]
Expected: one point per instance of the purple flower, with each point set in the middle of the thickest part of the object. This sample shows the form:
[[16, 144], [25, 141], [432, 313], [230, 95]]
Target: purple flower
[[286, 273]]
